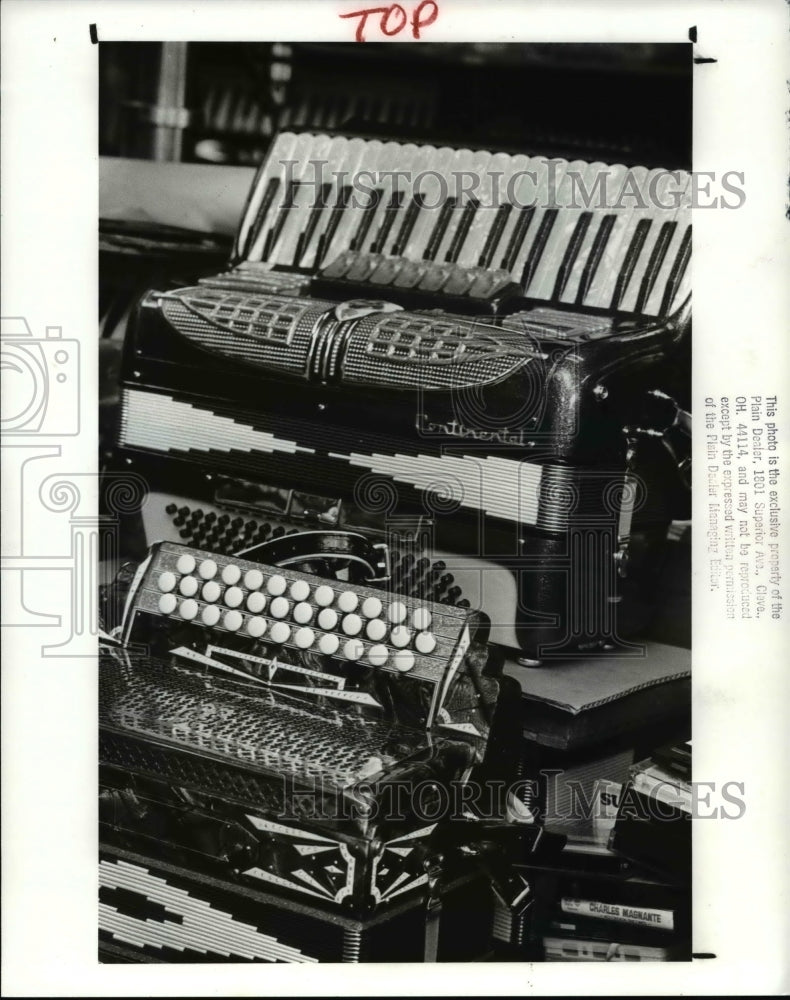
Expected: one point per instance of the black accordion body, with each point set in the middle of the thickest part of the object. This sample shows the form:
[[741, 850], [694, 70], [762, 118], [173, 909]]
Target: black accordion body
[[474, 374]]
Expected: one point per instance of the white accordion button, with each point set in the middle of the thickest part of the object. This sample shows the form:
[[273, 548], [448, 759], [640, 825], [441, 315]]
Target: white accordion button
[[425, 642], [300, 590], [353, 649], [232, 621], [421, 619], [378, 655], [328, 644], [167, 581], [256, 626], [400, 636], [253, 579], [303, 613], [167, 603], [188, 586], [347, 601], [234, 596], [371, 607], [188, 609], [376, 629], [397, 612], [210, 615], [303, 638], [279, 607], [211, 591], [323, 596], [327, 619], [352, 625], [231, 574], [256, 602], [276, 585], [279, 632], [208, 569], [403, 660], [186, 563]]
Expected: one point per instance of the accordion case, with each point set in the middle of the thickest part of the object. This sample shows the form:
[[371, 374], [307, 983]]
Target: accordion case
[[482, 374]]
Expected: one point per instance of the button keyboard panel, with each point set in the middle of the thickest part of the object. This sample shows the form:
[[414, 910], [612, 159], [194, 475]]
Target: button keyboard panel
[[282, 608]]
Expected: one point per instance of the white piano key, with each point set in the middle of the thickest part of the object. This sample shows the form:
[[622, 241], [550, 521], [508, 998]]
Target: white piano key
[[545, 276], [490, 195], [681, 217], [632, 250], [282, 149], [386, 160], [398, 187], [683, 263], [517, 190], [465, 162], [434, 189], [368, 198], [339, 232], [536, 225], [596, 173], [335, 156], [656, 197], [626, 219], [290, 173], [305, 196], [410, 157]]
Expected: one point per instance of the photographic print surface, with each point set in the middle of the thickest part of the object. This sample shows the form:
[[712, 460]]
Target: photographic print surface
[[401, 627], [347, 569]]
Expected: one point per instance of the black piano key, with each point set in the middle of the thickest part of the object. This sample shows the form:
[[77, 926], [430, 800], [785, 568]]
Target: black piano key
[[439, 229], [678, 269], [457, 242], [518, 236], [631, 257], [314, 218], [537, 248], [286, 206], [595, 256], [571, 252], [261, 215], [494, 236], [409, 220], [390, 214], [654, 264], [366, 221], [325, 240]]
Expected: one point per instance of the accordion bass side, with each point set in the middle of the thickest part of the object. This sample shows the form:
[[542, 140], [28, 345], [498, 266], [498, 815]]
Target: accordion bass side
[[483, 377]]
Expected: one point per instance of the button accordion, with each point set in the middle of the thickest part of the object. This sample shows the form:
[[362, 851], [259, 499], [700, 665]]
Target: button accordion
[[296, 742], [448, 349]]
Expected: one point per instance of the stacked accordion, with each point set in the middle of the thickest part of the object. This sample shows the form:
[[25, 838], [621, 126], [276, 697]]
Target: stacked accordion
[[422, 416]]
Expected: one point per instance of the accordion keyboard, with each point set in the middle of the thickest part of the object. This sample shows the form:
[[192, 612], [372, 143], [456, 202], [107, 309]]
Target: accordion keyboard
[[468, 222], [288, 610]]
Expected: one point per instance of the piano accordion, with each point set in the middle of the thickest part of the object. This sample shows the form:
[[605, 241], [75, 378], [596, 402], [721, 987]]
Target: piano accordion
[[464, 355]]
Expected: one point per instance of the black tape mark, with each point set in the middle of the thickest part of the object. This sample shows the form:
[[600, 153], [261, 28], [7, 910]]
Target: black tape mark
[[702, 59], [702, 954], [94, 34], [693, 33]]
